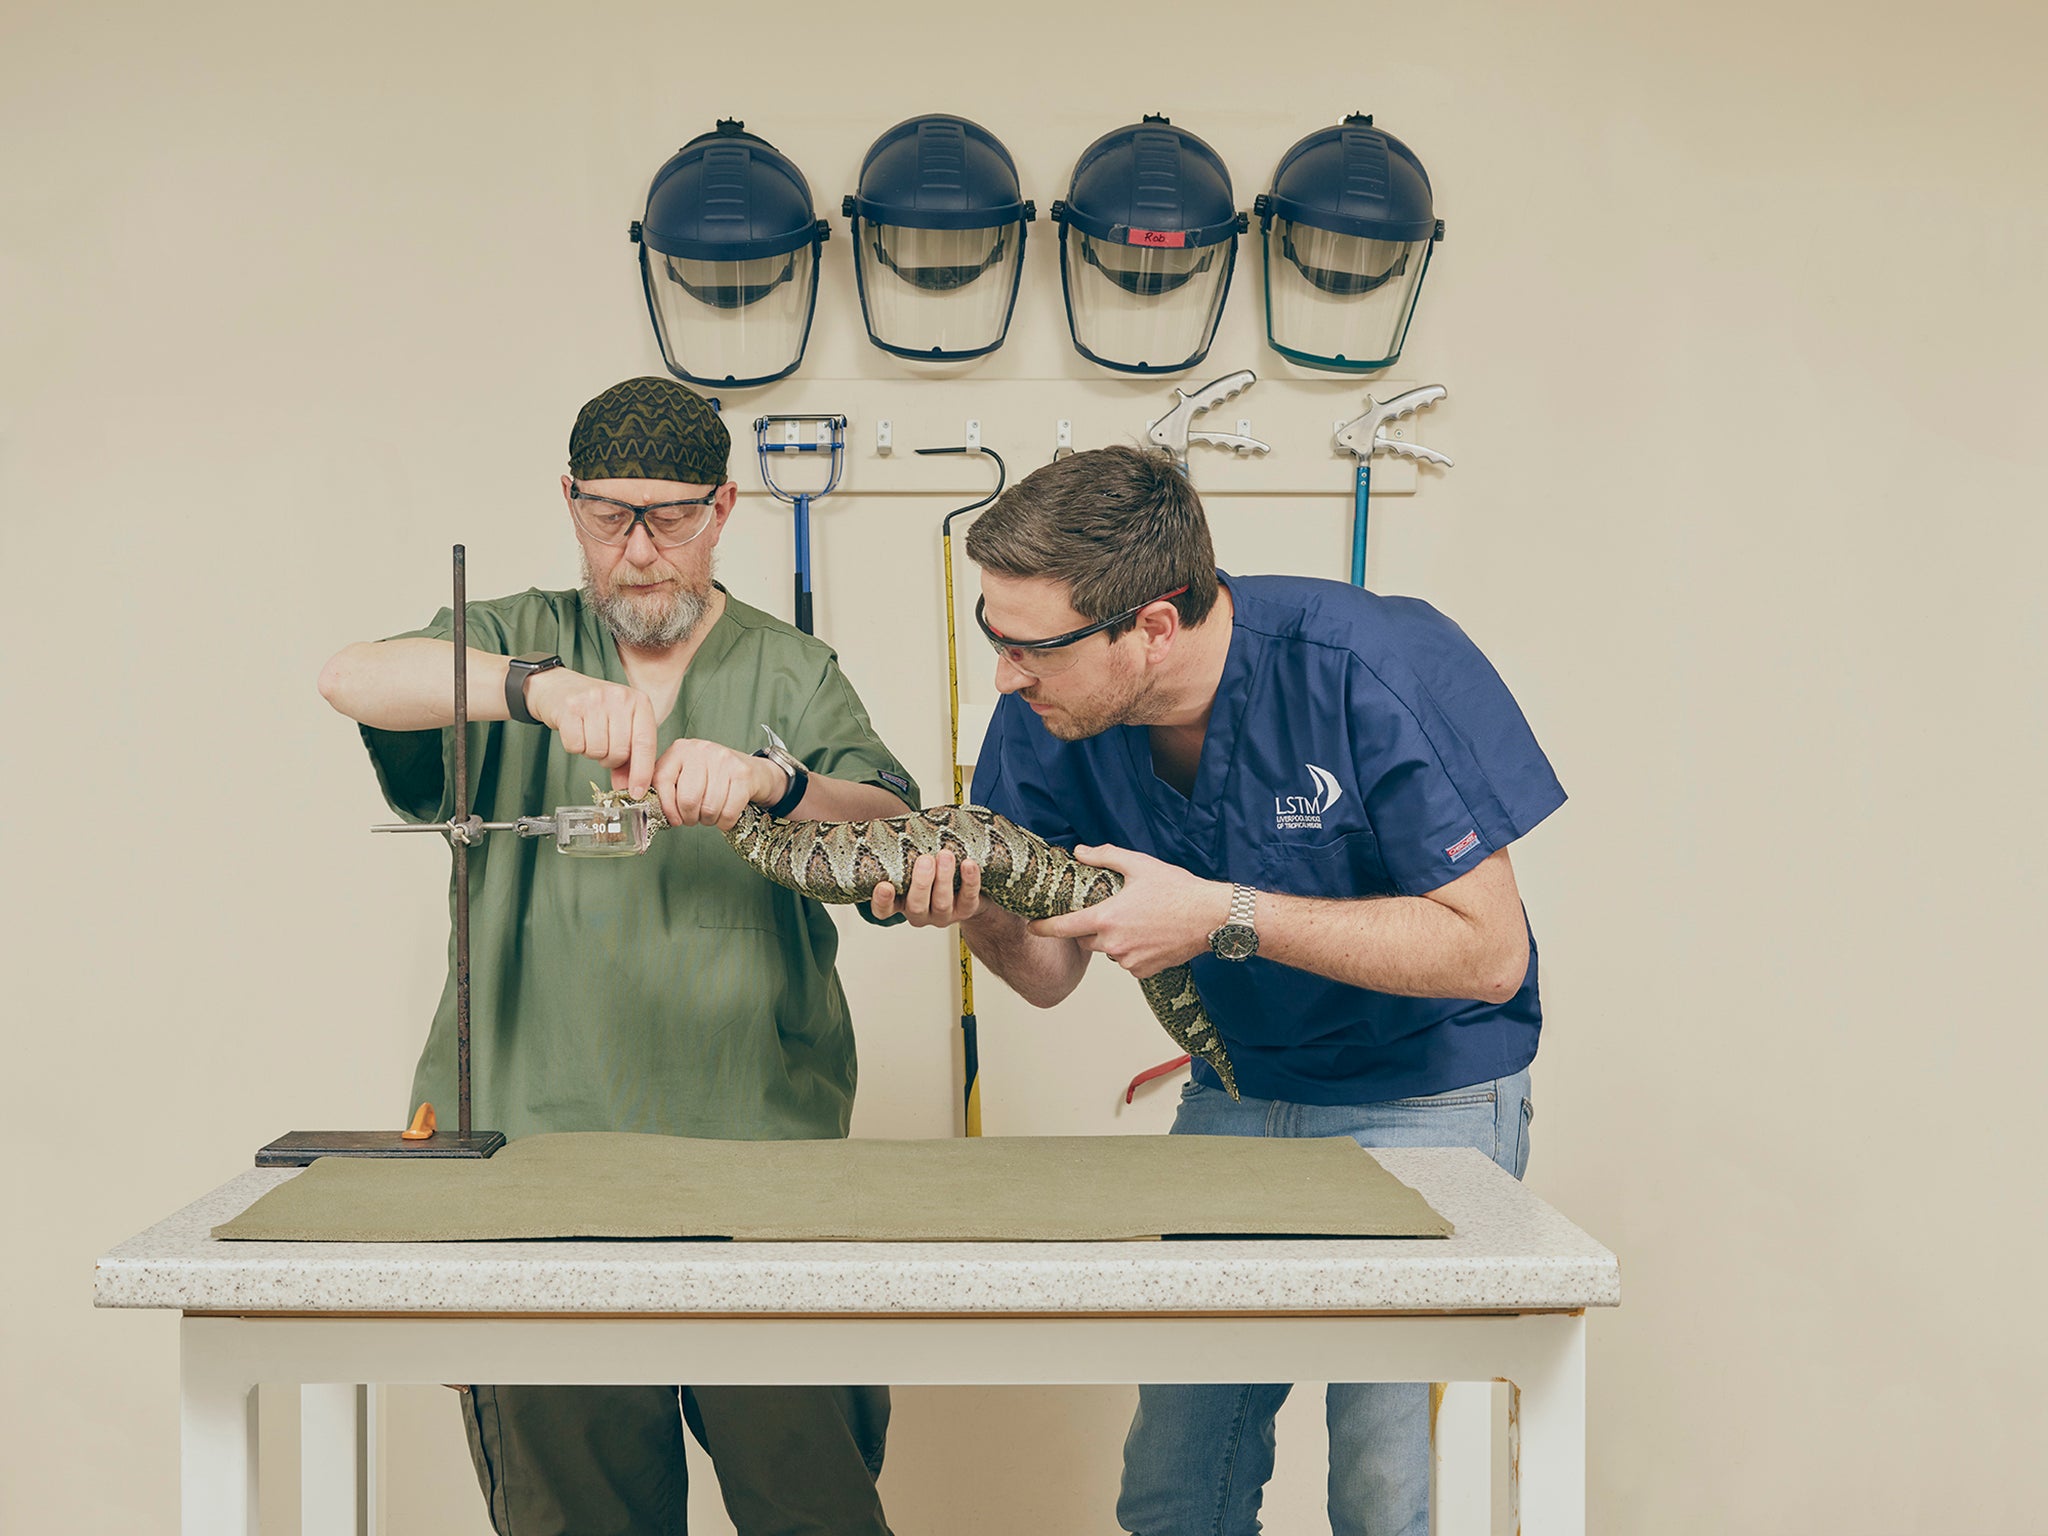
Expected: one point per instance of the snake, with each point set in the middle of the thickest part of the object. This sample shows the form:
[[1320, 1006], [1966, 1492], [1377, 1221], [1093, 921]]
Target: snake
[[841, 862]]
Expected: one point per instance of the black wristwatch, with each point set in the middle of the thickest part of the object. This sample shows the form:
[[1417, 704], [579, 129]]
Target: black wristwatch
[[518, 672], [799, 776], [1237, 939]]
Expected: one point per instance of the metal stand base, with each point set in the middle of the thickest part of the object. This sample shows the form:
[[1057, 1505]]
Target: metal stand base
[[301, 1147]]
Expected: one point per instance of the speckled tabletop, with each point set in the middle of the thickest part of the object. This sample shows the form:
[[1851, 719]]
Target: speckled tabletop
[[1511, 1252]]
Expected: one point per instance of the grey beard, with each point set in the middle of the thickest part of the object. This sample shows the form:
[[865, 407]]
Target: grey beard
[[633, 625]]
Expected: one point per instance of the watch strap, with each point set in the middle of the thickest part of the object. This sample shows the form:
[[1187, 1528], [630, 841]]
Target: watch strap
[[1244, 905], [799, 781], [518, 671]]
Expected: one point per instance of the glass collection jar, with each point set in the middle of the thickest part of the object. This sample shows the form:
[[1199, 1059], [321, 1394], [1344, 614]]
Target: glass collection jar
[[603, 831]]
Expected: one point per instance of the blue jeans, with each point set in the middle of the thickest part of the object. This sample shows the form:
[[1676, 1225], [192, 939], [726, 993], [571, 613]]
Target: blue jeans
[[1198, 1457]]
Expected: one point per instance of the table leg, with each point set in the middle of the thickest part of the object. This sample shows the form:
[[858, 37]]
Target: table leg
[[1547, 1437], [217, 1439], [1461, 1474], [334, 1459]]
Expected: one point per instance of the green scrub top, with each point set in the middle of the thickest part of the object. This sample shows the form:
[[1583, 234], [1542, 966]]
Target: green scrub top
[[676, 992]]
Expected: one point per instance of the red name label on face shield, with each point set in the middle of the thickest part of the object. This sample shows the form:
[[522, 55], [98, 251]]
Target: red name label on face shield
[[1175, 238]]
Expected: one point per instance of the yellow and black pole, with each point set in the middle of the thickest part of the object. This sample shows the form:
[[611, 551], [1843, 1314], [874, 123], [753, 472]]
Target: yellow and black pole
[[970, 1091], [970, 1047]]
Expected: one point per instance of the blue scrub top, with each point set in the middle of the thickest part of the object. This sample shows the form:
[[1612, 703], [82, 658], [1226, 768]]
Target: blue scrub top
[[1359, 745]]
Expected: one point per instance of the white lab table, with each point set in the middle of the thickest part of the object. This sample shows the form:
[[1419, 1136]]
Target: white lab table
[[1505, 1298]]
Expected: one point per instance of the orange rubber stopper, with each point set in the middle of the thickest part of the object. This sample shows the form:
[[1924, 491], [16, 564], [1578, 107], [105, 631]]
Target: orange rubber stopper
[[422, 1127]]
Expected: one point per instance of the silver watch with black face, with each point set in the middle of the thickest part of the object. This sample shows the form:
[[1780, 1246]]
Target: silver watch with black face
[[1237, 939]]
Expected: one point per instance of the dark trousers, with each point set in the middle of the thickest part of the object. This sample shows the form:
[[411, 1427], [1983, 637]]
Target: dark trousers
[[608, 1461]]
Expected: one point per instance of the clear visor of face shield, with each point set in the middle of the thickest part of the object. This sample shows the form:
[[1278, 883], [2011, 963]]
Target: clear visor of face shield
[[938, 293], [731, 322], [1143, 308], [1340, 301]]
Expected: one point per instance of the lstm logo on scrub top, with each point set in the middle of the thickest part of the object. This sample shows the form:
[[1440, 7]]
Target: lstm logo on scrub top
[[1306, 811]]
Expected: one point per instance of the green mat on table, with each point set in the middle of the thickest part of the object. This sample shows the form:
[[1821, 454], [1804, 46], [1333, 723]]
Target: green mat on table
[[993, 1189]]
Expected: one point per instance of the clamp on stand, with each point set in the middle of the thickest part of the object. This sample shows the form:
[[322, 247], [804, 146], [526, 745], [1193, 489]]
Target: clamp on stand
[[424, 1139]]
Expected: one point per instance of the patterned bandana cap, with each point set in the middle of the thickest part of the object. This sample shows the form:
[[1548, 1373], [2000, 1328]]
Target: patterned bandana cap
[[649, 429]]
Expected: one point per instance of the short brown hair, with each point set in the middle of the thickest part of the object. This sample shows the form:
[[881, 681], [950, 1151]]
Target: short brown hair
[[1116, 526]]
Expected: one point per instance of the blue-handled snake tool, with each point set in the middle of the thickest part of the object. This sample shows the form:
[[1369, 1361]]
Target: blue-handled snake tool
[[801, 434]]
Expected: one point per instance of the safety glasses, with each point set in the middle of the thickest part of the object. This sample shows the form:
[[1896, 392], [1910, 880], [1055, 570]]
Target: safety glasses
[[1044, 658], [670, 524]]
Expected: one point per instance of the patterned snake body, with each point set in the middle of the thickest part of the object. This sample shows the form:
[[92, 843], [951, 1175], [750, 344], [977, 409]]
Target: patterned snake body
[[843, 861]]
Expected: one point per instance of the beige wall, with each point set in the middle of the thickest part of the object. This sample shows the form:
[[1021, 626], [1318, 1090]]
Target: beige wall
[[1741, 315]]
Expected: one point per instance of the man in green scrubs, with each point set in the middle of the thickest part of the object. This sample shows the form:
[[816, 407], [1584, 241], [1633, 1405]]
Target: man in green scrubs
[[677, 992]]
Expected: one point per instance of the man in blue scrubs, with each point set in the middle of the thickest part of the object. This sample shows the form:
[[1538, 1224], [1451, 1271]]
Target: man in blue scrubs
[[1310, 790]]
